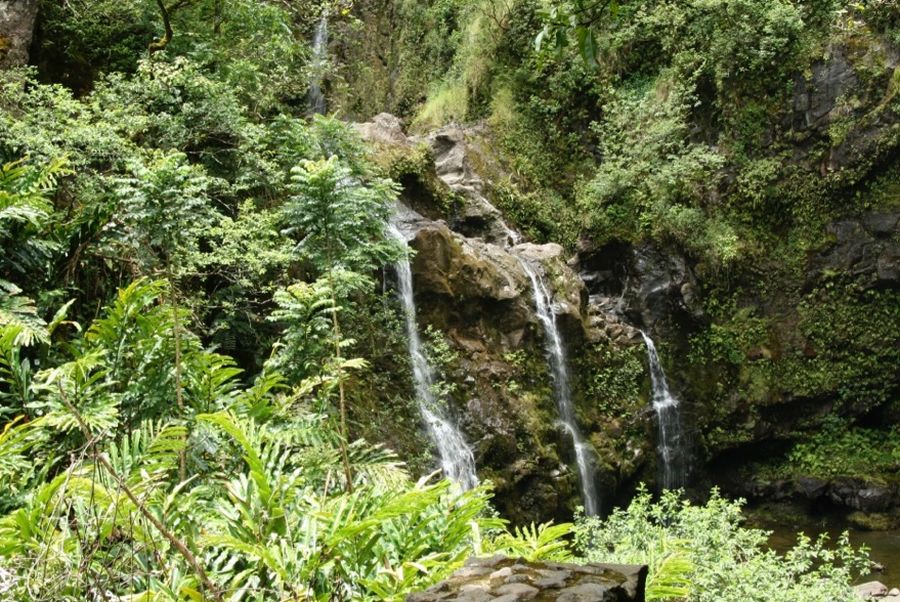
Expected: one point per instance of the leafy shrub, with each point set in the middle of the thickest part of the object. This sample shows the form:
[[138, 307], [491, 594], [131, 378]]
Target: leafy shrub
[[703, 554], [842, 450]]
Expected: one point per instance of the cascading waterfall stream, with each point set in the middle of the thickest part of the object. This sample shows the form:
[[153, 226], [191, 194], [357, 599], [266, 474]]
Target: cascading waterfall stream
[[457, 460], [556, 357], [318, 63], [669, 422]]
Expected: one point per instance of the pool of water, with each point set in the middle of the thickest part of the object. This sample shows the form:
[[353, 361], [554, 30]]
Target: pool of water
[[884, 546]]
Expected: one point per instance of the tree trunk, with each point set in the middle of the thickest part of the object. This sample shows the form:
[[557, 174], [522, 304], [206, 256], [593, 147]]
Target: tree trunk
[[17, 18]]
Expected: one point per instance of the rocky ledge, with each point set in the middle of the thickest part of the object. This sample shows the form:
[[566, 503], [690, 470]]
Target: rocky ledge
[[502, 579]]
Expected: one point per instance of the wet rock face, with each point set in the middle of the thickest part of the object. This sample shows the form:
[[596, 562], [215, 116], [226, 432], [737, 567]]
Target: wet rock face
[[842, 492], [867, 247], [818, 103], [504, 579], [471, 286], [649, 286], [16, 29], [479, 296], [816, 96]]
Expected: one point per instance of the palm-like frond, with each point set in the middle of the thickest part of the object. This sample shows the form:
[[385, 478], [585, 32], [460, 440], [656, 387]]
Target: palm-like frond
[[82, 383], [15, 372], [121, 318], [671, 576], [19, 312], [542, 542], [25, 210], [148, 453]]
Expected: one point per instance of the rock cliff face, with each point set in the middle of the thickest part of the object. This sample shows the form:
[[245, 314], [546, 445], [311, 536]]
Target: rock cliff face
[[16, 29], [758, 374], [470, 285]]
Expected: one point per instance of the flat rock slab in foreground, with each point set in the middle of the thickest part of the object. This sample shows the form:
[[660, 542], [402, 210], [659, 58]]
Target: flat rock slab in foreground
[[502, 579]]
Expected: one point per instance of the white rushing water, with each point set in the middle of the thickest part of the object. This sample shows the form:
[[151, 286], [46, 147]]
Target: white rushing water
[[669, 423], [556, 357], [457, 460], [318, 63]]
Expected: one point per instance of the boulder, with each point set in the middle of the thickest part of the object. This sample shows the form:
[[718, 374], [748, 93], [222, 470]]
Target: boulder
[[871, 590], [501, 579], [383, 130]]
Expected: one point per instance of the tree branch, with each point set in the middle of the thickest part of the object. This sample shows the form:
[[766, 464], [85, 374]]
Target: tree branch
[[160, 44]]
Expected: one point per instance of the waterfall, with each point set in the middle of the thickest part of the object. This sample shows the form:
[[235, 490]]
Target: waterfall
[[318, 64], [457, 460], [669, 423], [556, 357]]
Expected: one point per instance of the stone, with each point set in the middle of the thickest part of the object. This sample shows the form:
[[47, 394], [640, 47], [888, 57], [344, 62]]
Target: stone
[[522, 591], [17, 18], [552, 579], [874, 499], [881, 224], [815, 97], [515, 580], [501, 573], [385, 130], [587, 592], [870, 590], [811, 487], [894, 592], [453, 160]]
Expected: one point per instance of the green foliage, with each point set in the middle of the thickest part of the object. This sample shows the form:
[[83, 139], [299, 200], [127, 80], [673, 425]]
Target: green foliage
[[653, 180], [542, 216], [307, 311], [28, 243], [443, 359], [396, 50], [703, 553], [338, 221], [25, 209], [262, 510], [164, 210], [613, 378], [839, 449], [542, 542]]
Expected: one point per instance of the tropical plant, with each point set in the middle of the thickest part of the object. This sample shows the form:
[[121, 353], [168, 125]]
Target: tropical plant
[[339, 222], [702, 553]]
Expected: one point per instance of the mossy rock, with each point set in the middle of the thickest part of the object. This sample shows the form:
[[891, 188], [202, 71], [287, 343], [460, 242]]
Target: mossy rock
[[874, 521]]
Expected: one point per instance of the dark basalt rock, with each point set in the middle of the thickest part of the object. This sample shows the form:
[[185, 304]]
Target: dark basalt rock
[[651, 286], [501, 579], [850, 494], [867, 247], [816, 97]]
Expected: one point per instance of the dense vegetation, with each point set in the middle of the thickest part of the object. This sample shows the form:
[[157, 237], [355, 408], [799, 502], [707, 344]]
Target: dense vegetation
[[202, 377], [695, 127]]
